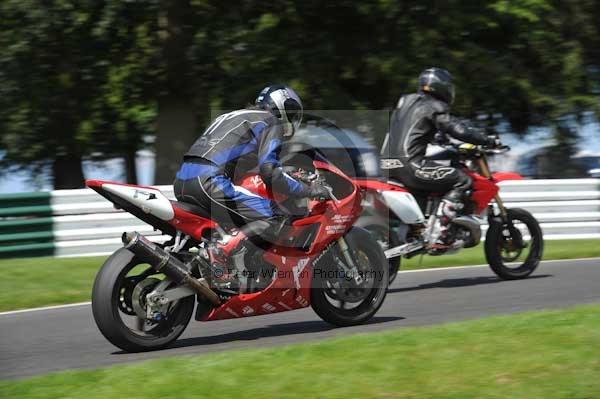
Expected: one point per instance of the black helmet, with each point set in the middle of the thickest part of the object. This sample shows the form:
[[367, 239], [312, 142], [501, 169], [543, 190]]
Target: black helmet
[[284, 103], [438, 83]]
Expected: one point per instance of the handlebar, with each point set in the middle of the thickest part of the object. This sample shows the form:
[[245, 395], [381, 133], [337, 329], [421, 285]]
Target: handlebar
[[314, 177], [304, 176], [497, 150], [466, 148]]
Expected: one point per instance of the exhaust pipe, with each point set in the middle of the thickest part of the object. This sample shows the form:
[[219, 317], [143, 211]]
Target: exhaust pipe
[[473, 226], [163, 262]]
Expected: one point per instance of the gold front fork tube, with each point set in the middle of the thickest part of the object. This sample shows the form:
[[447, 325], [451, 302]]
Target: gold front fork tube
[[485, 172], [484, 168]]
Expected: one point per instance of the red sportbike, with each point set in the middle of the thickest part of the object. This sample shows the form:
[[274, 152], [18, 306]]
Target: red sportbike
[[404, 221], [144, 294]]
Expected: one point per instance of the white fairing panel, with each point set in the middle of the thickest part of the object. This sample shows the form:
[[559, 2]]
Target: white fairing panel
[[149, 200], [404, 205]]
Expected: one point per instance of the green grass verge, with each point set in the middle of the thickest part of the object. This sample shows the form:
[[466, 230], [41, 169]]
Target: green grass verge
[[546, 354], [35, 282], [559, 249], [32, 282]]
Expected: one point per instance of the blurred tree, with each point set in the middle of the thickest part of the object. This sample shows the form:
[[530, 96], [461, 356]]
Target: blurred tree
[[557, 159], [46, 78], [79, 78], [529, 63], [127, 106], [68, 85], [195, 39], [176, 123]]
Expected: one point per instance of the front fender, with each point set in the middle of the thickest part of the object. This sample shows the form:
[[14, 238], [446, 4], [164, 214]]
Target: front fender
[[502, 176]]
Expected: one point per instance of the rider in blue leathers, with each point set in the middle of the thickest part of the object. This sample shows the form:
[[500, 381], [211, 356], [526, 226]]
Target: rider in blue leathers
[[232, 145]]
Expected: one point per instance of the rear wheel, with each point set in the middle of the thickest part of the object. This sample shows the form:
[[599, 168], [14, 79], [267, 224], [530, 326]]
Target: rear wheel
[[119, 305], [337, 297], [515, 247]]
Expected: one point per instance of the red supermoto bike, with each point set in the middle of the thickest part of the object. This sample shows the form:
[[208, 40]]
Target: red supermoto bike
[[404, 221], [144, 294]]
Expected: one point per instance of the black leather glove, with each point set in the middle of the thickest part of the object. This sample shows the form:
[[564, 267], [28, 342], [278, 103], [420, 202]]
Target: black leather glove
[[318, 191]]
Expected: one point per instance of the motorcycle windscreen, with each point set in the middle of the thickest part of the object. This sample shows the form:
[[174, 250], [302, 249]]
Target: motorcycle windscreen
[[403, 205]]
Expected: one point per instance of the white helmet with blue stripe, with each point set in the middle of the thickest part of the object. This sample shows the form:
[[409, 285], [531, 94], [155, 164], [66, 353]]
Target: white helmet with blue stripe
[[284, 103]]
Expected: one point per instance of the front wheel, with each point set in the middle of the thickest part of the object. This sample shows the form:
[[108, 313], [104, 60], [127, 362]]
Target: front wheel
[[514, 247], [340, 299], [119, 305]]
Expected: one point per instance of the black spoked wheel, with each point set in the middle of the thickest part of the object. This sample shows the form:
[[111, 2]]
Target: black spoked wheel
[[515, 247], [344, 300], [120, 309]]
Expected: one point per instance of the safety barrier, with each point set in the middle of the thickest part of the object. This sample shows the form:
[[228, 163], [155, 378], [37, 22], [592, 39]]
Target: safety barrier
[[80, 222]]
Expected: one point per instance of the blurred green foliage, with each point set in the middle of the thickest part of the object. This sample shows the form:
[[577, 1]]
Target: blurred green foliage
[[86, 77], [74, 80]]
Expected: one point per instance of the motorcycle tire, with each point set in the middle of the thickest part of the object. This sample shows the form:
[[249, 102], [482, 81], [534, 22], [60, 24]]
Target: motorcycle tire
[[499, 236], [112, 303], [363, 245]]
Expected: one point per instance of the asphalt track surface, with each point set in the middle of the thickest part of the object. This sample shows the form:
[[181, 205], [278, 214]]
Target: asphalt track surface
[[43, 341]]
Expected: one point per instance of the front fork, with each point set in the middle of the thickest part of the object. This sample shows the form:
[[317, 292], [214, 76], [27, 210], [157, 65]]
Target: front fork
[[350, 266], [485, 172]]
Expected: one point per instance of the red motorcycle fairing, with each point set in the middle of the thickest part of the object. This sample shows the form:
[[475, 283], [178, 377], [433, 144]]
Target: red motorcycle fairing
[[189, 223], [290, 288], [96, 185], [502, 176], [484, 190]]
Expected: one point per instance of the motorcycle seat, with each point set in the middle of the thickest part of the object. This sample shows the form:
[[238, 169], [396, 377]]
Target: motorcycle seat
[[192, 208]]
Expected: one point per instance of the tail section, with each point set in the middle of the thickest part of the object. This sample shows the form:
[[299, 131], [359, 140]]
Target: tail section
[[146, 203]]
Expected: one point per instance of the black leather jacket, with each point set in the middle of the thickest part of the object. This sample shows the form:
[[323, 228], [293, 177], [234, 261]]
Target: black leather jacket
[[415, 122], [246, 140]]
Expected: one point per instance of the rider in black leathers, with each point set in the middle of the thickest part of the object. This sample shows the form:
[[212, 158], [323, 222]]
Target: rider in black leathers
[[414, 124]]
